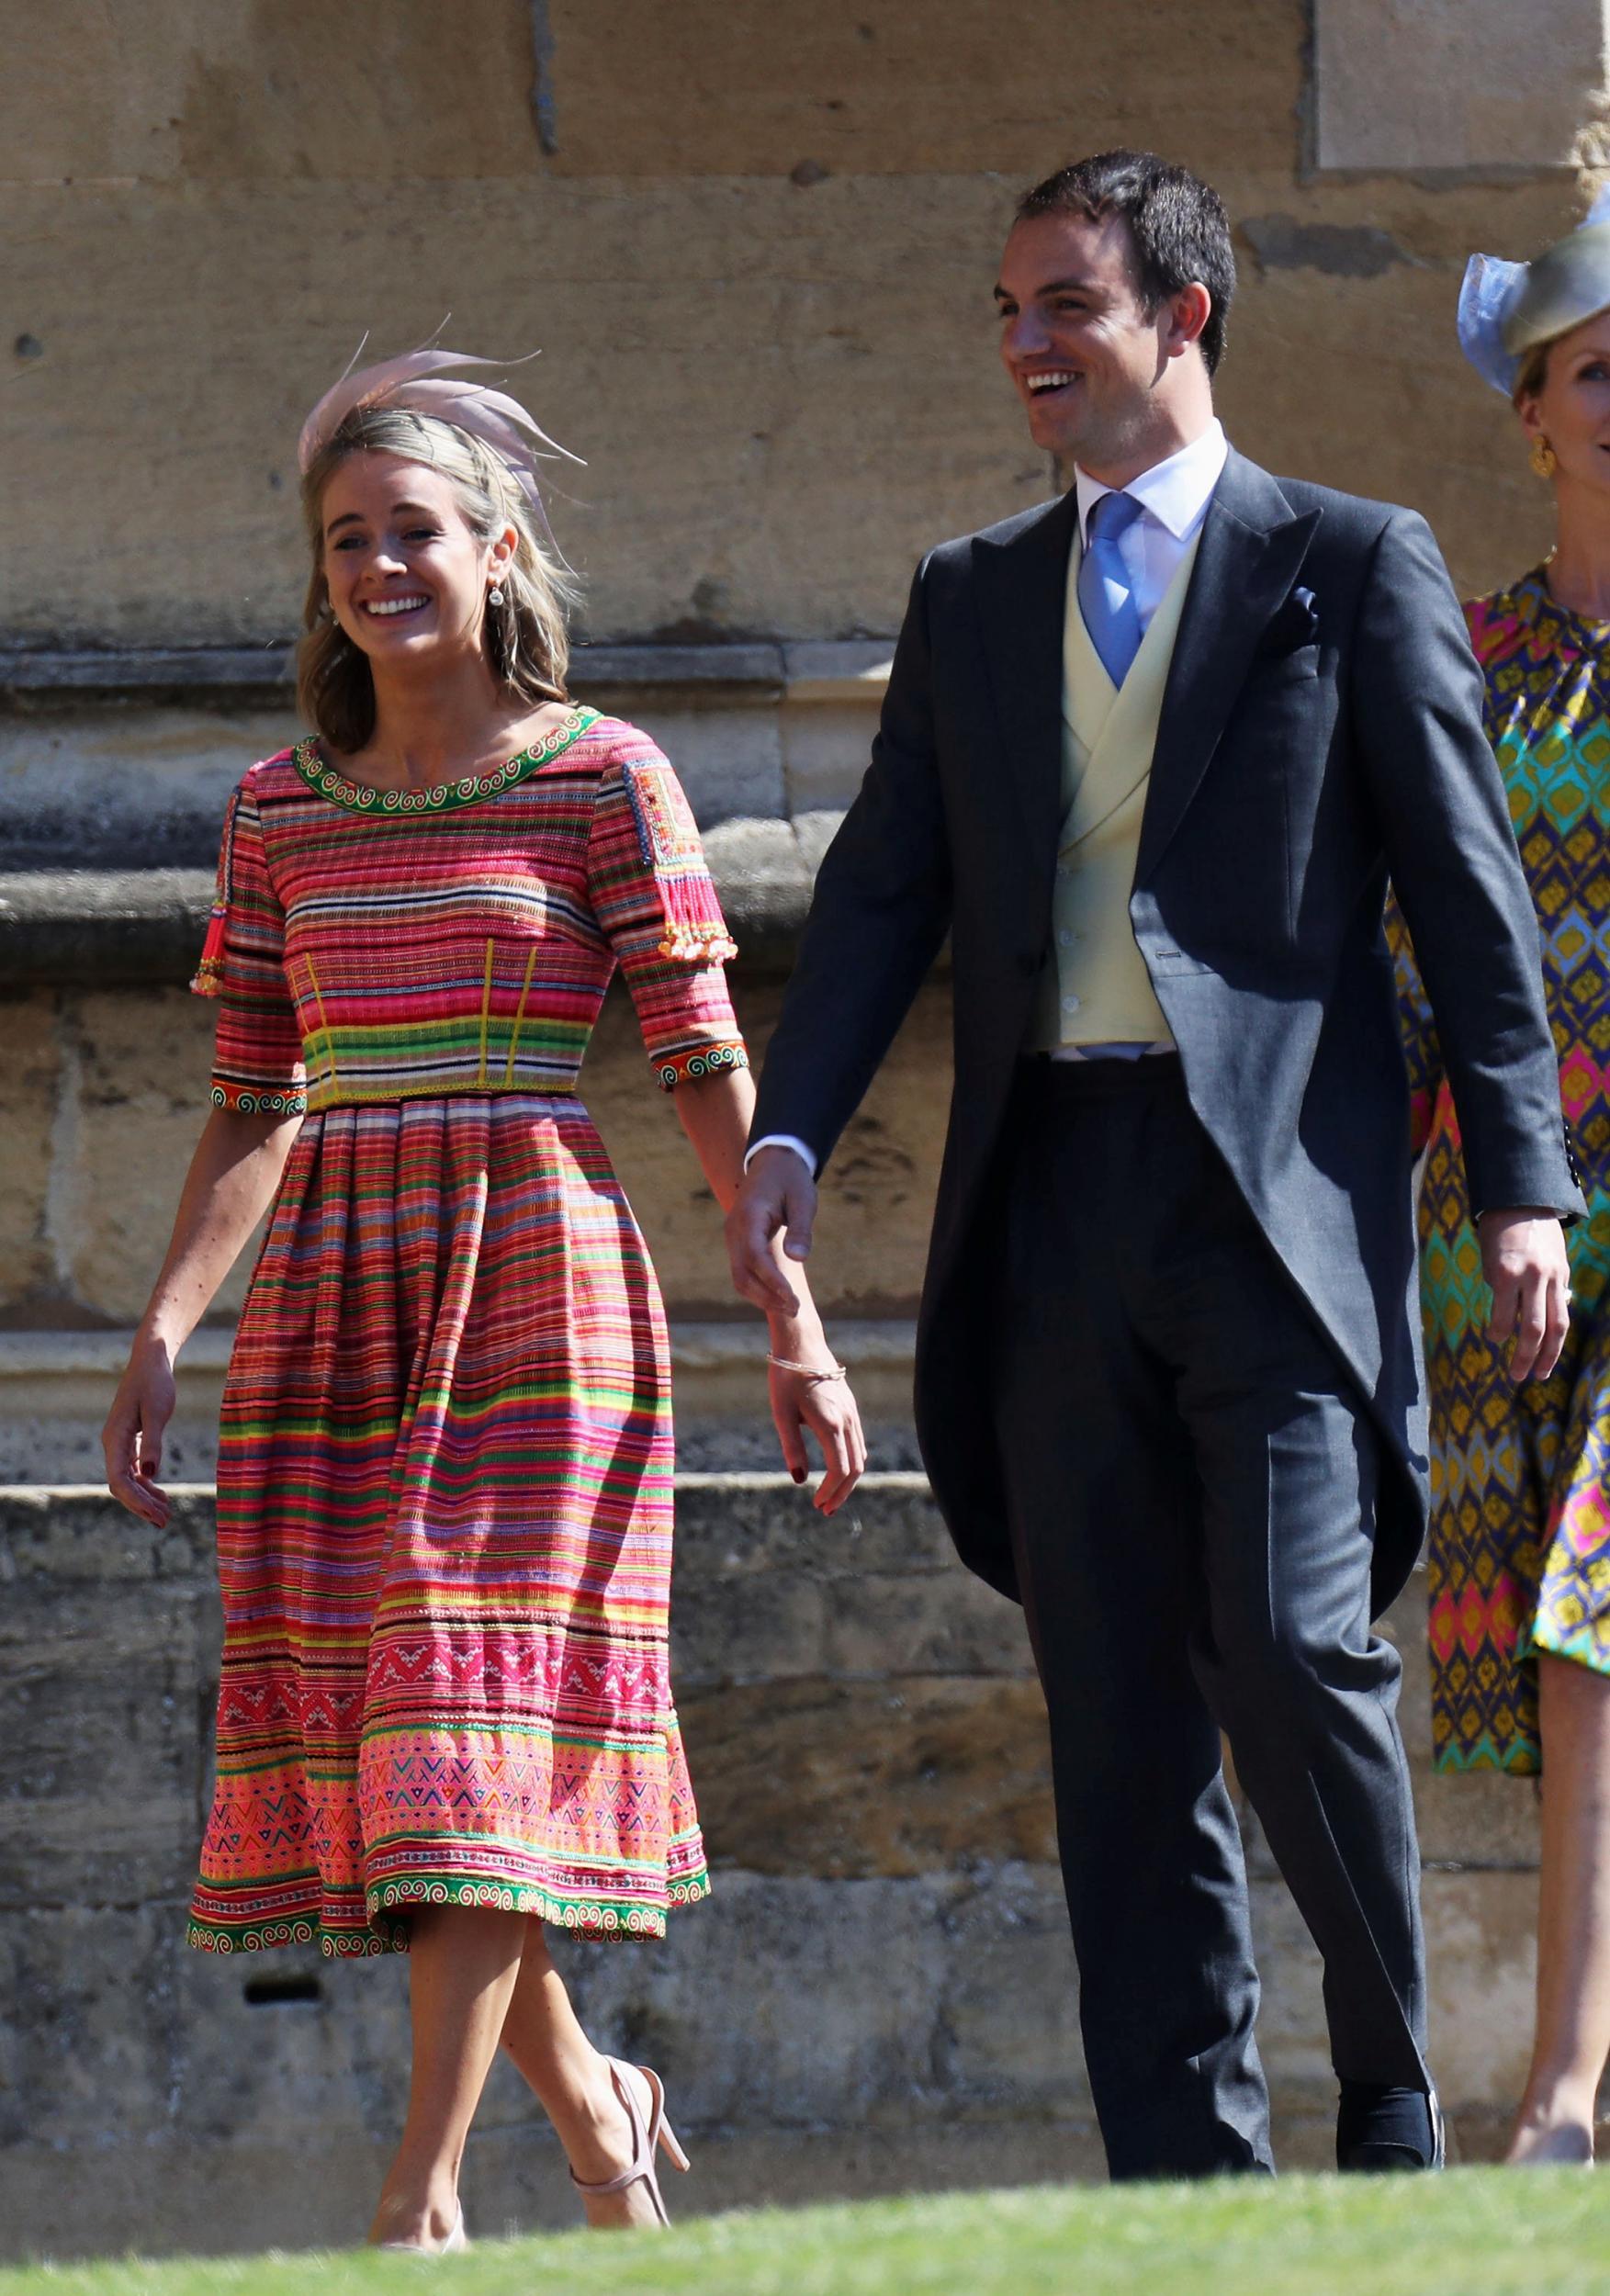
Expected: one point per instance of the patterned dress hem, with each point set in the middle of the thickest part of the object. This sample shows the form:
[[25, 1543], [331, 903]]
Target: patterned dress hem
[[387, 1906], [1521, 1757]]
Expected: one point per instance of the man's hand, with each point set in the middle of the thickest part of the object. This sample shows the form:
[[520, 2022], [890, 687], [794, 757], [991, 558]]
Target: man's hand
[[1523, 1259], [777, 1191]]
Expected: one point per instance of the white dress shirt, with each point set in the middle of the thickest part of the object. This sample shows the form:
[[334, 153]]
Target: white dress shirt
[[1174, 498]]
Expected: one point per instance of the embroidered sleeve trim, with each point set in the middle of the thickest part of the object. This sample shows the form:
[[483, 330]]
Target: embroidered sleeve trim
[[240, 1100], [704, 1060]]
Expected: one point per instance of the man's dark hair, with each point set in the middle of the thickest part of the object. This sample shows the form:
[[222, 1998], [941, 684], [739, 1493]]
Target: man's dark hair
[[1177, 227]]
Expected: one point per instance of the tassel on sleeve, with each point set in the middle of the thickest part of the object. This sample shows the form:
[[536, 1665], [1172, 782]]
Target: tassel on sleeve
[[694, 929], [208, 979]]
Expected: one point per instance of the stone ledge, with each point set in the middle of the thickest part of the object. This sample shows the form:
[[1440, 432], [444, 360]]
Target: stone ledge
[[27, 1356], [55, 1386], [144, 927], [239, 675]]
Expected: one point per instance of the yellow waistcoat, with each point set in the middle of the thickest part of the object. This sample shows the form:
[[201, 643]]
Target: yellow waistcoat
[[1098, 991]]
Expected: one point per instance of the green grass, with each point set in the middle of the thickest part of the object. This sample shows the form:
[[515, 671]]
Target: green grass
[[1473, 2232]]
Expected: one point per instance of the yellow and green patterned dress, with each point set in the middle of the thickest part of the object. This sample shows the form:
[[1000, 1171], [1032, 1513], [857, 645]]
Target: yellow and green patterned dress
[[1519, 1557]]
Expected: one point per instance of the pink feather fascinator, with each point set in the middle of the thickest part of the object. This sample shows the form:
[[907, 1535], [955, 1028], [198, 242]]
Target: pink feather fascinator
[[416, 380]]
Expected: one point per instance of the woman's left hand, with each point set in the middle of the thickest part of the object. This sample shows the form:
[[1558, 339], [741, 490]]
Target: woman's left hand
[[828, 1409]]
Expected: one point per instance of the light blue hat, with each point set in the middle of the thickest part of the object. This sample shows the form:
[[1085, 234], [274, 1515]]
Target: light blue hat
[[1508, 309]]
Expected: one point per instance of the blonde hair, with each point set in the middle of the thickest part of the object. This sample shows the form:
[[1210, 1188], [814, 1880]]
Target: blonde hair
[[527, 640]]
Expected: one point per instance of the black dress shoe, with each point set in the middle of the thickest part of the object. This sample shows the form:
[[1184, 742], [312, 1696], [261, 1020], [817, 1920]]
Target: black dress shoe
[[1379, 2129]]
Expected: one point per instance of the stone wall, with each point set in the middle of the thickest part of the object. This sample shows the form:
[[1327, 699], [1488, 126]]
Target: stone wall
[[755, 243], [879, 1996]]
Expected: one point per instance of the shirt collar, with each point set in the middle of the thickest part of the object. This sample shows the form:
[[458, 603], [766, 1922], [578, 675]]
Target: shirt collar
[[1176, 492]]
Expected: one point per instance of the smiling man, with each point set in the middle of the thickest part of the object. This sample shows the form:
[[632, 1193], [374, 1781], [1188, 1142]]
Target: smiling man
[[1148, 755]]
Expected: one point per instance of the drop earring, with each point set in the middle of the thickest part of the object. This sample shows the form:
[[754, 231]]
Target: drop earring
[[1544, 461], [495, 595]]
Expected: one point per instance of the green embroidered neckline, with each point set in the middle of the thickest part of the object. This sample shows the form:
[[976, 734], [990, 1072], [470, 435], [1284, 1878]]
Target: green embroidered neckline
[[359, 798]]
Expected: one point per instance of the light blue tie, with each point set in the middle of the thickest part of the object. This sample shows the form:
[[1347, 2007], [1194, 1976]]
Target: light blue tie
[[1107, 598]]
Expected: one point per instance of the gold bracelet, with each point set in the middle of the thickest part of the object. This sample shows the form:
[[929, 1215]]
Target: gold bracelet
[[806, 1371]]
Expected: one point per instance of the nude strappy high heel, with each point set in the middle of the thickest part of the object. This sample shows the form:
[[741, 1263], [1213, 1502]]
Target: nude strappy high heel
[[657, 2136], [454, 2241]]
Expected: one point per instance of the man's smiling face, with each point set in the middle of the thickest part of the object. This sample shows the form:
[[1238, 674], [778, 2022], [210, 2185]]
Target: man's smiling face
[[1083, 352]]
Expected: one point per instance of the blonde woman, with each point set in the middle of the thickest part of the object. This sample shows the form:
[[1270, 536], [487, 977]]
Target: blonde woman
[[1520, 1535], [445, 1477]]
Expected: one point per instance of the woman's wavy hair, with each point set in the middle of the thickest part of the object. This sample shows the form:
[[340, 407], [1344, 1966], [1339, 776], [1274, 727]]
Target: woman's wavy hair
[[526, 638]]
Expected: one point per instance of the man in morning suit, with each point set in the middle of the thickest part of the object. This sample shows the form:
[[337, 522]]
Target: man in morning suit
[[1148, 755]]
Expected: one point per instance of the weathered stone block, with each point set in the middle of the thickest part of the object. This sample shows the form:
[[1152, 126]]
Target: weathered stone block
[[824, 749], [87, 2029], [904, 1775], [28, 1146], [961, 90], [872, 1240], [1455, 84], [107, 1642], [946, 1623], [200, 95], [102, 788], [1291, 2034], [143, 1064], [54, 1390], [762, 1626], [1480, 1943], [1009, 2014], [869, 1957], [126, 1093], [251, 2070], [729, 761], [780, 476], [738, 1526], [767, 1589]]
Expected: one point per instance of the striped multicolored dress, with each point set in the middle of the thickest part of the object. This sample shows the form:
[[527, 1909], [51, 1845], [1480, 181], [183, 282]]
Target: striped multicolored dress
[[444, 1474], [1519, 1557]]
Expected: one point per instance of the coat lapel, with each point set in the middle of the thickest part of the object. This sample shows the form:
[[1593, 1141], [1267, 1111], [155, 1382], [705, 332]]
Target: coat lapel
[[1021, 588], [1251, 549]]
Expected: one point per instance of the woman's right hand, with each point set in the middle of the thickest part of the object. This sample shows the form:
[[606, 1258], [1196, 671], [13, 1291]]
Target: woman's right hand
[[132, 1436]]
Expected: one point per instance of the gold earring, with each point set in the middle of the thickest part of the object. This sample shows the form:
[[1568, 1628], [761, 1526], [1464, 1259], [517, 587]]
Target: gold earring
[[1544, 461]]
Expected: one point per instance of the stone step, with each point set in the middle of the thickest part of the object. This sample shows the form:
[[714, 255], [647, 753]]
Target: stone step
[[55, 1386], [880, 1993], [119, 762], [110, 925]]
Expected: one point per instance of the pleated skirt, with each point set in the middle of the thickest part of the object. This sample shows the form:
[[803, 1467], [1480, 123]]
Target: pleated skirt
[[444, 1544]]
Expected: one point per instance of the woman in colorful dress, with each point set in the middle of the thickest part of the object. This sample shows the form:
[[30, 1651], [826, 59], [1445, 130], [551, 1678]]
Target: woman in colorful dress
[[1520, 1534], [445, 1720]]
